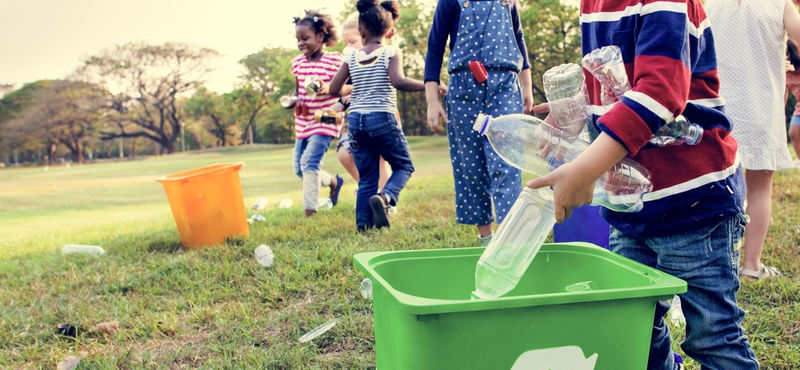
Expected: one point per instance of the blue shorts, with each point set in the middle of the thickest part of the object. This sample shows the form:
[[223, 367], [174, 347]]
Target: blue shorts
[[795, 121]]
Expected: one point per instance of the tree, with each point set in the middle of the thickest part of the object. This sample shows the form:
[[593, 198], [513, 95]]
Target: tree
[[11, 105], [146, 84], [267, 77], [552, 36], [217, 113]]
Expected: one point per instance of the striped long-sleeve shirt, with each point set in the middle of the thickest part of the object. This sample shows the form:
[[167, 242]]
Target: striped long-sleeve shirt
[[668, 49], [323, 69]]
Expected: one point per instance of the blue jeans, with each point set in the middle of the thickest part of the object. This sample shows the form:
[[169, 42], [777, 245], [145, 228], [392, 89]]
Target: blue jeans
[[308, 153], [375, 135], [707, 259]]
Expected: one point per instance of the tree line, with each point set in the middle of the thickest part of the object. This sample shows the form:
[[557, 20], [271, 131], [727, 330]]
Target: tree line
[[138, 98]]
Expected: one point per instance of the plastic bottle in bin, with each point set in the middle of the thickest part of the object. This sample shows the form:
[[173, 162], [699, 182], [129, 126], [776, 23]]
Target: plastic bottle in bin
[[515, 243], [532, 145], [568, 99]]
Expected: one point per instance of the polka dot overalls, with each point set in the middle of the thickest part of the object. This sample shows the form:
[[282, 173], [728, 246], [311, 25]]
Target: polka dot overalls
[[485, 33]]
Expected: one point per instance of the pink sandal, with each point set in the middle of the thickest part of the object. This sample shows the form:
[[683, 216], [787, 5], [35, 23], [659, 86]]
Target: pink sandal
[[764, 272]]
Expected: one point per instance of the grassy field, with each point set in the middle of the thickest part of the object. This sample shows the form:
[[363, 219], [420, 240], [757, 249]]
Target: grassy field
[[216, 308]]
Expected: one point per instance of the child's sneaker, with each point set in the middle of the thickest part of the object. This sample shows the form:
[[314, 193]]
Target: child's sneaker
[[678, 360], [379, 206], [485, 240]]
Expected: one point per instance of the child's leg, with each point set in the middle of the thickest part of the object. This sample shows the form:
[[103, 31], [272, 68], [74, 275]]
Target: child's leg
[[393, 147], [299, 148], [472, 184], [366, 160], [707, 259], [759, 208], [794, 134], [310, 166], [346, 157], [385, 172]]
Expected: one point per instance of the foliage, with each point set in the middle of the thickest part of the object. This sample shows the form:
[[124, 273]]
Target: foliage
[[552, 36], [65, 112], [267, 76], [218, 114], [146, 84]]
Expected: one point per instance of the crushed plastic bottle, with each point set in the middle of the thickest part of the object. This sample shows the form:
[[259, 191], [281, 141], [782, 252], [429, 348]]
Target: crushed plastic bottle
[[607, 66], [366, 288], [532, 145], [80, 248], [285, 203], [584, 286], [319, 330], [515, 243], [676, 312], [264, 255], [256, 217], [324, 204], [260, 204], [568, 99]]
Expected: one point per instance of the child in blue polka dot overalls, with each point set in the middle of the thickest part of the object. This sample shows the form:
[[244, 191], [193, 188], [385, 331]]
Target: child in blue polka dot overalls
[[487, 33]]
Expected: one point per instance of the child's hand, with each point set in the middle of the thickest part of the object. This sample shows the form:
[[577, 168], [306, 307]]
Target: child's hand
[[442, 89], [571, 188], [435, 111], [323, 88], [527, 101], [346, 99]]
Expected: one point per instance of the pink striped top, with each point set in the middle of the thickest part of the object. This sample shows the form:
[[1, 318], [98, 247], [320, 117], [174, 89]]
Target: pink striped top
[[324, 69]]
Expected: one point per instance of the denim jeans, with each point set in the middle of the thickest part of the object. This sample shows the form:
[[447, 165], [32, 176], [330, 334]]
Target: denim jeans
[[308, 154], [375, 135], [708, 260]]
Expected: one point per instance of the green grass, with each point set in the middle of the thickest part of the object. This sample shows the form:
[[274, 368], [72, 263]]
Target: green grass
[[215, 308]]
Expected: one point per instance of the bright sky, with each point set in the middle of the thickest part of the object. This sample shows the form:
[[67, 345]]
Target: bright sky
[[48, 39]]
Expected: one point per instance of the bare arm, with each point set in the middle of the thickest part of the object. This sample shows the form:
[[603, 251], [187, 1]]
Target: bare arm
[[337, 86], [527, 89], [435, 110], [398, 78], [791, 20]]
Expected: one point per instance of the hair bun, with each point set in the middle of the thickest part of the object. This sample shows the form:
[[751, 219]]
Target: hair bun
[[364, 5], [392, 7]]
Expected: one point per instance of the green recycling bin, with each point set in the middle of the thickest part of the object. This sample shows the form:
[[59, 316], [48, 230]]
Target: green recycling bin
[[424, 318]]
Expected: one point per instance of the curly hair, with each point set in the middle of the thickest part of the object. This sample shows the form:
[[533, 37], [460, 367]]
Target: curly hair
[[320, 23], [377, 16]]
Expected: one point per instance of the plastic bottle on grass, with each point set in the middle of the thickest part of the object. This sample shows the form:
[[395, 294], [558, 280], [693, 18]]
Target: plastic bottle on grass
[[515, 243], [676, 312], [532, 145], [80, 248], [264, 255], [324, 204]]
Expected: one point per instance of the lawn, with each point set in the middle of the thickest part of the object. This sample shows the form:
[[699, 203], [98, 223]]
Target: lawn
[[216, 308]]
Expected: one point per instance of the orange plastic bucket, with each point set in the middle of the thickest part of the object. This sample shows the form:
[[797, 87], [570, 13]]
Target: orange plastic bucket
[[207, 204]]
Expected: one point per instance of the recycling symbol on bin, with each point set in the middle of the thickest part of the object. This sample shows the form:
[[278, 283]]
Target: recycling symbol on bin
[[558, 358]]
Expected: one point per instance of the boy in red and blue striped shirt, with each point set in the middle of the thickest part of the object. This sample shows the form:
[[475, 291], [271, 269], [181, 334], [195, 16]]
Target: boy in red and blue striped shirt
[[693, 219]]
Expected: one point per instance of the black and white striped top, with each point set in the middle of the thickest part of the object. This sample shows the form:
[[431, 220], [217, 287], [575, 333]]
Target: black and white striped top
[[372, 89]]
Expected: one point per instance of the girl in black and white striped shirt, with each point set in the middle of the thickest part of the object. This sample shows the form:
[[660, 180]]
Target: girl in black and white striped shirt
[[376, 73]]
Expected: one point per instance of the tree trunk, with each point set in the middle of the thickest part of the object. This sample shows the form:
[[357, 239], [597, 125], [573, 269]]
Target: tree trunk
[[79, 152], [133, 148]]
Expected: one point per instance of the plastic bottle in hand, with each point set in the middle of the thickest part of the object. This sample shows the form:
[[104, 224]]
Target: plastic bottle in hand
[[568, 99], [607, 66], [532, 145], [515, 243], [528, 143]]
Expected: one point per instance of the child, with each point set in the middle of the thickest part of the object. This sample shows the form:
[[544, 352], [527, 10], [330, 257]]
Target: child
[[352, 42], [376, 71], [793, 85], [313, 32], [750, 42], [482, 178], [693, 219]]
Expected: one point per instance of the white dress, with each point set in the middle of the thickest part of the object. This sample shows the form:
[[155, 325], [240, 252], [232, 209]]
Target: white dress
[[751, 49]]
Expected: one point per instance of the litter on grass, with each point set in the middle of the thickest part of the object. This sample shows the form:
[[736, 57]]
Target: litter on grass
[[319, 330]]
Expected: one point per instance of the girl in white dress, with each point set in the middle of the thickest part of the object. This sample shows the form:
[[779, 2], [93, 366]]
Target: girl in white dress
[[750, 44]]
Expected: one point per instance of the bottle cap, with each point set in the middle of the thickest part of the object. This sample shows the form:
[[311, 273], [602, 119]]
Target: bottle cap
[[481, 122], [475, 295]]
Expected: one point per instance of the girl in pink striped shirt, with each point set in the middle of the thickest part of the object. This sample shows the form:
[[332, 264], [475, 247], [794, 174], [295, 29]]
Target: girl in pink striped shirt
[[314, 31]]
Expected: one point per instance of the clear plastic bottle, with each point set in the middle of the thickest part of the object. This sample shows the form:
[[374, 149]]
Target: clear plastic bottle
[[324, 204], [532, 145], [568, 99], [80, 248], [515, 243], [607, 66], [264, 255], [676, 312]]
